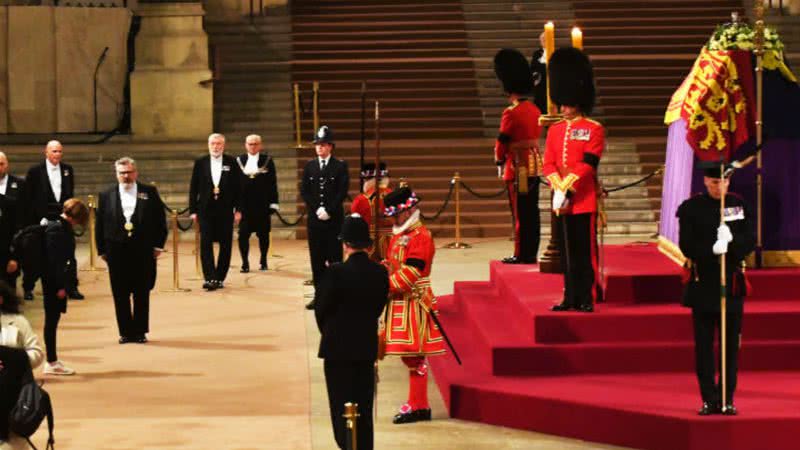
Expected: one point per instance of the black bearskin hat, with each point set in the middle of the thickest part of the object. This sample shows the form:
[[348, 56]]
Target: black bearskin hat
[[572, 79], [368, 170], [513, 71]]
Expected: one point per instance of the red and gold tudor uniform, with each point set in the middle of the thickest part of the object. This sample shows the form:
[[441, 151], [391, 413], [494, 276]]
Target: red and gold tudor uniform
[[363, 203], [408, 330], [517, 150], [572, 154]]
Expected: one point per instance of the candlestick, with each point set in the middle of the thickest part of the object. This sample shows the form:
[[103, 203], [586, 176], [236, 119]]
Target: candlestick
[[577, 38]]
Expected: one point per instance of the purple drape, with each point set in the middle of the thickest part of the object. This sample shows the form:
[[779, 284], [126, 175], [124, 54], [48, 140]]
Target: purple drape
[[677, 178]]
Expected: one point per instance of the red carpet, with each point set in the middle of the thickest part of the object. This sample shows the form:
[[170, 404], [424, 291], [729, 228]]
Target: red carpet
[[623, 375]]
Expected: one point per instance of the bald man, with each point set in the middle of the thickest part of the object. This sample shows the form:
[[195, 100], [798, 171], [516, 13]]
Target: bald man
[[11, 189], [47, 186]]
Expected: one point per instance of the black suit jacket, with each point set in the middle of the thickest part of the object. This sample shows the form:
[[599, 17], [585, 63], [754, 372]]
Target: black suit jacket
[[39, 195], [259, 190], [539, 72], [201, 191], [348, 305], [11, 217], [326, 188]]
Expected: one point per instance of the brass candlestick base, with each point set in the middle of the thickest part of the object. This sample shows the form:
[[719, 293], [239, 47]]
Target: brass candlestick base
[[549, 119], [550, 261], [458, 245]]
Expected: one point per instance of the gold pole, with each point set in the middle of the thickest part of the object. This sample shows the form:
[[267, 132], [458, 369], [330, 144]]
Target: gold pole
[[316, 105], [297, 135], [458, 244], [175, 270], [351, 416], [92, 204], [723, 299], [759, 51]]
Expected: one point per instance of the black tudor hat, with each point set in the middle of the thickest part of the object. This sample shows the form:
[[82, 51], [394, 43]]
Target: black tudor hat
[[398, 201], [572, 79], [368, 170], [324, 135], [355, 232], [711, 169], [513, 71]]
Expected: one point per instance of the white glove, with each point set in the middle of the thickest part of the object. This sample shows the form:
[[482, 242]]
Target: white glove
[[720, 247], [559, 198], [322, 214], [274, 206], [43, 222], [724, 233]]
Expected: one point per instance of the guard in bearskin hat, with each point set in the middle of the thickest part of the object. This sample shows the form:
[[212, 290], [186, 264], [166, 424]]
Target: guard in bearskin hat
[[324, 189], [408, 330], [376, 186], [516, 153], [348, 304], [572, 154]]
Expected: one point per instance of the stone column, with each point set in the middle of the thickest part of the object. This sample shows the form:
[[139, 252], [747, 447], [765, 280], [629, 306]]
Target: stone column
[[168, 97]]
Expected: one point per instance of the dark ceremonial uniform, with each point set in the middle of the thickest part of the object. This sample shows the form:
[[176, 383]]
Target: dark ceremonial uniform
[[41, 202], [539, 73], [259, 201], [517, 150], [363, 204], [128, 248], [349, 302], [572, 155], [11, 220], [699, 218], [215, 205], [326, 188]]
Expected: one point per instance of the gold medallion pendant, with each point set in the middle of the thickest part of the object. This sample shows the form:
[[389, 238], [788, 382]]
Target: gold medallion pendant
[[129, 228], [216, 192]]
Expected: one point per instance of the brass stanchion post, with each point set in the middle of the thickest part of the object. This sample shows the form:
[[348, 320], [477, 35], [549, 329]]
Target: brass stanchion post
[[297, 134], [175, 270], [351, 416], [458, 244], [92, 204], [198, 266], [315, 106]]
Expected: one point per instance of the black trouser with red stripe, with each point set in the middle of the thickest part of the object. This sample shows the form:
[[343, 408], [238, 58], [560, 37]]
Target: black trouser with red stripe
[[579, 259], [525, 212]]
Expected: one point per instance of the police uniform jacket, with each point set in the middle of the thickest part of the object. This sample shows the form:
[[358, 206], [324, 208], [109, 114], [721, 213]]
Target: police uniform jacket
[[571, 158], [325, 188], [699, 219], [517, 142], [39, 196]]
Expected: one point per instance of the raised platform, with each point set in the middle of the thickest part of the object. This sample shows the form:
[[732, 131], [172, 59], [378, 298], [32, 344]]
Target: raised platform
[[623, 375]]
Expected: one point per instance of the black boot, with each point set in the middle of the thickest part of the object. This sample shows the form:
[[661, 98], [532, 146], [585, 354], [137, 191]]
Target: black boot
[[708, 409], [563, 306], [417, 415]]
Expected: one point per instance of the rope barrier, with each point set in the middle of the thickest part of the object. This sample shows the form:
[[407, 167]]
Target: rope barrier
[[494, 195], [637, 182], [444, 205], [290, 224]]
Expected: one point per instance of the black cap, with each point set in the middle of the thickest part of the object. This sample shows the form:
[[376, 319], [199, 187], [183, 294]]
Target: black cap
[[324, 135], [513, 71], [711, 169], [572, 79], [398, 201], [368, 170], [355, 232]]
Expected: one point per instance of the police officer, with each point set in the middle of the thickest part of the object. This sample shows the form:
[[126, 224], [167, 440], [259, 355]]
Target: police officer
[[572, 155], [516, 153], [703, 240], [349, 302], [324, 189], [259, 200]]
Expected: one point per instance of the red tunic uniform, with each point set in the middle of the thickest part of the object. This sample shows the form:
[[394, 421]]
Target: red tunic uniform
[[362, 205], [572, 154], [409, 329], [516, 144]]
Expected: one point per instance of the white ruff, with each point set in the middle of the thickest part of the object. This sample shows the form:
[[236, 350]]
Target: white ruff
[[411, 221]]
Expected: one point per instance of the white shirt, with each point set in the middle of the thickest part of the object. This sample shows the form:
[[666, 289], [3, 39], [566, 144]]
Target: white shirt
[[3, 184], [325, 160], [127, 196], [252, 164], [54, 174], [216, 170]]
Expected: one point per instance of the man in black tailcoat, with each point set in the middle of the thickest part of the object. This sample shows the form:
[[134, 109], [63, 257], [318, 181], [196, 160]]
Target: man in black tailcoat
[[11, 212]]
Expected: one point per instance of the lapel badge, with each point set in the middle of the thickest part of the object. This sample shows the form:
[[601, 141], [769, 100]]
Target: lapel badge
[[66, 172], [226, 168], [580, 134], [142, 195], [13, 185]]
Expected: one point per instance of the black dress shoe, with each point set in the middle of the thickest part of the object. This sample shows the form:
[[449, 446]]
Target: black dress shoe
[[708, 409], [244, 269], [28, 295], [75, 295], [560, 307], [417, 415], [729, 410], [209, 285], [585, 308], [311, 305], [125, 340], [511, 260], [218, 284], [263, 267], [141, 339]]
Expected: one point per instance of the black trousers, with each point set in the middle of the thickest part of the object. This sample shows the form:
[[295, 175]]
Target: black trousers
[[53, 308], [353, 382], [216, 227], [323, 247], [706, 327], [579, 259], [130, 272], [261, 227], [525, 211]]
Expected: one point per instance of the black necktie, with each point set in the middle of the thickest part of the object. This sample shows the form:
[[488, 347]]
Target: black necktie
[[323, 165]]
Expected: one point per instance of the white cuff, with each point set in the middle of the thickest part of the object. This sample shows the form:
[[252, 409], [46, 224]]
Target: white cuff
[[275, 206]]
